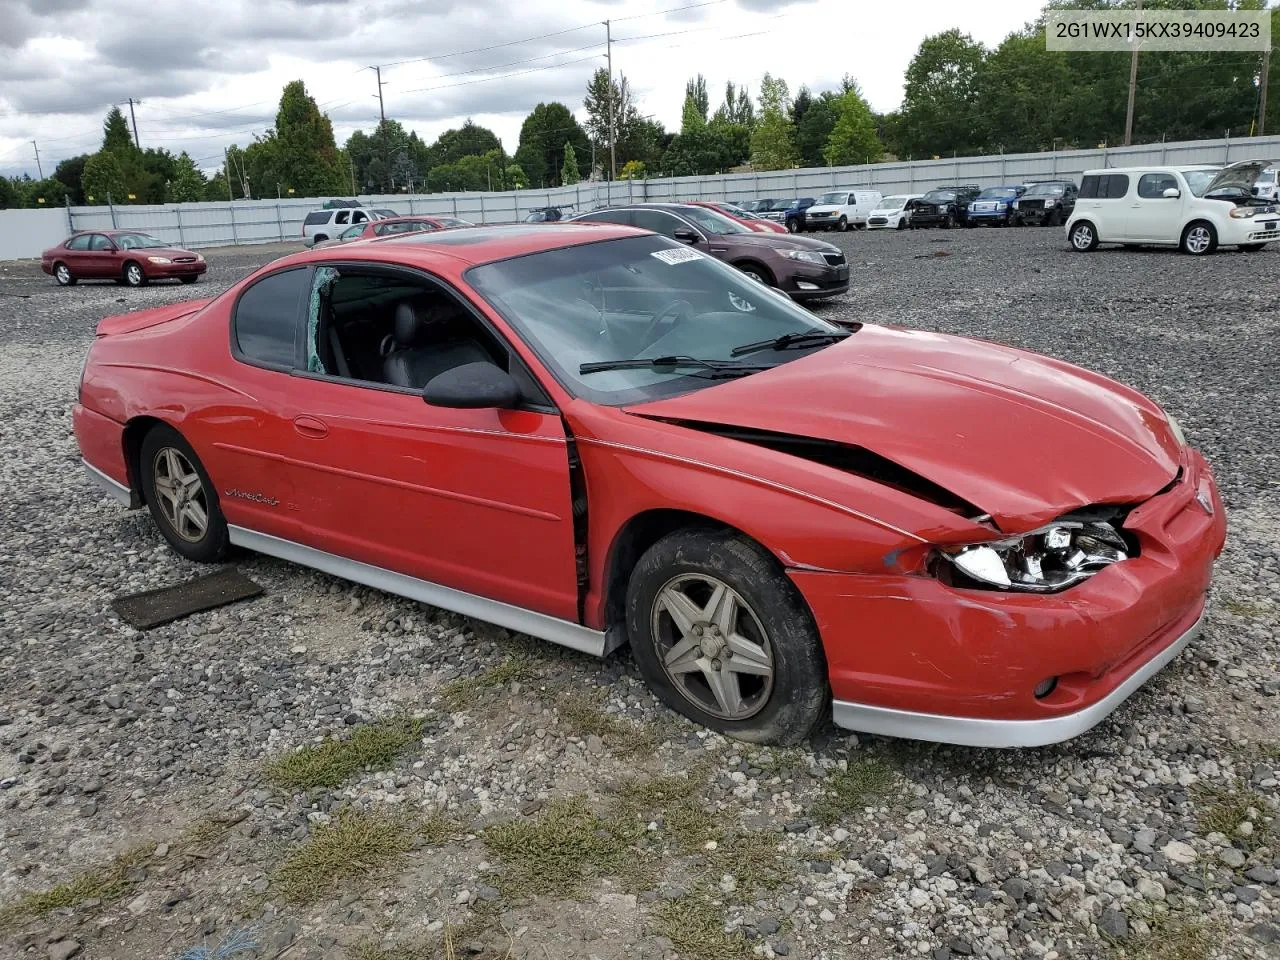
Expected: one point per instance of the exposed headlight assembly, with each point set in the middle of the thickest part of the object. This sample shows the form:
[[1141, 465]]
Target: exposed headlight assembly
[[1050, 203], [1043, 561], [807, 256], [1243, 213]]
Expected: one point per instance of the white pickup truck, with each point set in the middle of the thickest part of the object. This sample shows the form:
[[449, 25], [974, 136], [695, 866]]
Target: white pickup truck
[[842, 209]]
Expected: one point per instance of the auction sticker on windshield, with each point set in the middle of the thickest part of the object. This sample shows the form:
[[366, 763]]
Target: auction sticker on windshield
[[680, 255]]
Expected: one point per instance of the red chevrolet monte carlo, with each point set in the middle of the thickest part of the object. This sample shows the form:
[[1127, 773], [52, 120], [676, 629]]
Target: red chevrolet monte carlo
[[125, 256], [600, 436]]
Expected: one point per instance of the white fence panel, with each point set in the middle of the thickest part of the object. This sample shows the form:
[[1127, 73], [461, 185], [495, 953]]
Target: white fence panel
[[24, 233]]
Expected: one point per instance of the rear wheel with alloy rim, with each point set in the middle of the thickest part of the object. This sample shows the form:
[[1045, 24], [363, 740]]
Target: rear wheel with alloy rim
[[1083, 237], [723, 637], [62, 273], [133, 275], [1199, 238], [181, 497]]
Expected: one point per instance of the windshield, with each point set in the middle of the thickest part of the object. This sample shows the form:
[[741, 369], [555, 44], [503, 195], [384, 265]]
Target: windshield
[[713, 221], [1198, 180], [137, 241], [734, 211], [939, 196], [892, 203], [638, 297], [1044, 190], [1267, 176], [997, 193], [838, 197]]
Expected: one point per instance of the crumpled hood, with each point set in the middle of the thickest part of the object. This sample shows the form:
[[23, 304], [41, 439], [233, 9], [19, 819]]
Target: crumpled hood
[[1023, 437]]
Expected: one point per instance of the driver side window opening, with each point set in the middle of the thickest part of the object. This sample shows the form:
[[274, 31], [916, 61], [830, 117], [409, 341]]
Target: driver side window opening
[[396, 330]]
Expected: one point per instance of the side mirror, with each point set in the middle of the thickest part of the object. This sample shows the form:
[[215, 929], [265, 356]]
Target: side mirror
[[473, 386], [1172, 193], [685, 235]]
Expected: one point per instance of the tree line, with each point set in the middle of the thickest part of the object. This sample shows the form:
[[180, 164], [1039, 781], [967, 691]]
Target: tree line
[[960, 98]]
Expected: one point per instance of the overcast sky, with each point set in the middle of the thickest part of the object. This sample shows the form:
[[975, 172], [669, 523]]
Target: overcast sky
[[209, 72]]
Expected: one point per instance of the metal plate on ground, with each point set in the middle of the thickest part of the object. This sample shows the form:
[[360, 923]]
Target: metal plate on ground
[[153, 608]]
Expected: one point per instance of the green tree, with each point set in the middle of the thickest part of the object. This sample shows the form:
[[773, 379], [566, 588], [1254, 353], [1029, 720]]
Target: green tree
[[603, 96], [104, 178], [516, 180], [216, 189], [771, 144], [632, 170], [853, 139], [470, 139], [800, 105], [814, 129], [542, 138], [299, 152], [71, 171], [939, 112], [187, 183], [49, 192], [8, 194], [116, 136], [737, 107], [696, 89], [569, 168]]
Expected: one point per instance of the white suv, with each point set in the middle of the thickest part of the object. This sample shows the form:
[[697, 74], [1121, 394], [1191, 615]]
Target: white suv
[[321, 225], [842, 209], [1193, 208]]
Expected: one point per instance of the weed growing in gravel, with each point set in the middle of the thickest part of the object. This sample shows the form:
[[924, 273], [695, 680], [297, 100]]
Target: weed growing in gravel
[[1243, 608], [695, 924], [1222, 810], [556, 851], [107, 884], [353, 845], [585, 715], [1171, 938], [461, 693], [751, 857], [374, 746], [777, 761], [844, 791]]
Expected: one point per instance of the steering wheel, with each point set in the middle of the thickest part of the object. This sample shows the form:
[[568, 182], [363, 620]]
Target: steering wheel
[[676, 310]]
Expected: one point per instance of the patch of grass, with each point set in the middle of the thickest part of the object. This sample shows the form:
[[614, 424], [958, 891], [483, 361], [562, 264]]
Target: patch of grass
[[676, 801], [1222, 810], [555, 852], [1171, 938], [354, 845], [584, 715], [777, 760], [374, 746], [752, 858], [695, 924], [844, 791], [461, 693], [108, 884], [1243, 608]]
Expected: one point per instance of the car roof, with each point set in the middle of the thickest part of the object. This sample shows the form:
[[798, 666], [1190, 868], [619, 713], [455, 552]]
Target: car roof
[[477, 245], [1154, 169]]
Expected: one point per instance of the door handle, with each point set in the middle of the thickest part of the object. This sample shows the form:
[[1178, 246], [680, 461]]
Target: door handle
[[310, 427], [1135, 205]]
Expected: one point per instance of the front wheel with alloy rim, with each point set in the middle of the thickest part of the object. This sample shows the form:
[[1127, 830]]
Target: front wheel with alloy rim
[[752, 272], [723, 637], [1199, 239], [180, 496], [793, 226], [133, 275], [62, 273], [1083, 237], [843, 225]]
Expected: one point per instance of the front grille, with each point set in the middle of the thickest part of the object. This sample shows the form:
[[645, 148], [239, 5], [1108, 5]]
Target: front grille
[[878, 221], [1030, 204], [184, 259], [834, 259], [817, 215]]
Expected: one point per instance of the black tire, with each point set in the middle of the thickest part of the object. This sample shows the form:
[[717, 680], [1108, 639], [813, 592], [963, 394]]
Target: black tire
[[1252, 247], [318, 238], [134, 275], [782, 708], [62, 274], [212, 545], [757, 273], [949, 222], [188, 279], [1083, 236], [1199, 239], [793, 226], [902, 224], [843, 225]]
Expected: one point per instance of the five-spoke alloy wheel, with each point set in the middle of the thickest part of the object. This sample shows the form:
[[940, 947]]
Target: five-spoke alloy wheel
[[181, 497]]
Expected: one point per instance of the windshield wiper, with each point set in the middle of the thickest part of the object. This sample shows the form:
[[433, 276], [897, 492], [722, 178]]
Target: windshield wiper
[[788, 341], [714, 367]]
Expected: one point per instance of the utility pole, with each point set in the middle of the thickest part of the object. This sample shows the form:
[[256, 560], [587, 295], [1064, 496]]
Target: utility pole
[[382, 114], [1133, 87], [134, 120], [39, 168], [381, 111], [226, 166], [1262, 93], [613, 135]]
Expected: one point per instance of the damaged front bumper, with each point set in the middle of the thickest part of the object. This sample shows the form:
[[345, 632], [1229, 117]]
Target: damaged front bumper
[[1004, 669]]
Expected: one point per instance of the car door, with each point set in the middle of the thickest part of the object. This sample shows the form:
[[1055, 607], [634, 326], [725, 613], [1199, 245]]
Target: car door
[[101, 259], [75, 254], [478, 500], [1150, 216], [359, 216]]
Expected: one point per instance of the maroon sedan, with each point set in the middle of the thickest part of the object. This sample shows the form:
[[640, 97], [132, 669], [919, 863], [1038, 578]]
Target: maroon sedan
[[125, 256]]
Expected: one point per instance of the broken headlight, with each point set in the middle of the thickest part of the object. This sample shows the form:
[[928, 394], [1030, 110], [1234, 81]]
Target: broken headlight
[[1043, 561]]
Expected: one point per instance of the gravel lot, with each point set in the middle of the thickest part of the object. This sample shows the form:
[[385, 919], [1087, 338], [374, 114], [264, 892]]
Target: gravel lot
[[542, 803]]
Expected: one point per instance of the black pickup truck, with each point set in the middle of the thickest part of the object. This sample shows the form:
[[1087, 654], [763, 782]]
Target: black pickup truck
[[1046, 202], [944, 206]]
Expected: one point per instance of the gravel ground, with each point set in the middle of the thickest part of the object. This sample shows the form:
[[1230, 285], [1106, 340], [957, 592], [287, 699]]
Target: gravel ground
[[542, 804]]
